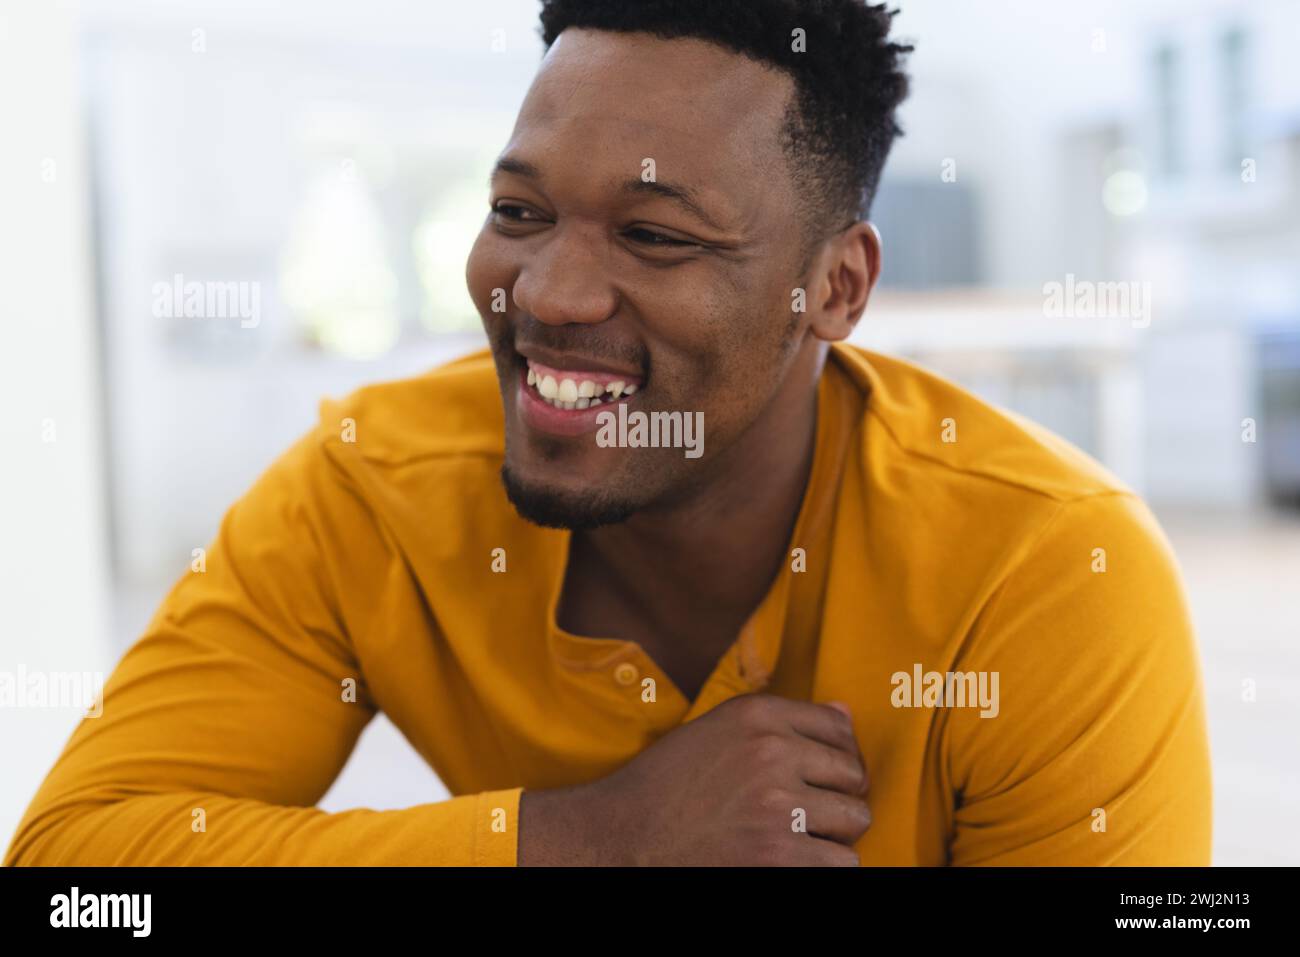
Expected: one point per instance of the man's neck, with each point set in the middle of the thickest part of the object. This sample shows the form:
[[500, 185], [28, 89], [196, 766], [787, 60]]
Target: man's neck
[[717, 553]]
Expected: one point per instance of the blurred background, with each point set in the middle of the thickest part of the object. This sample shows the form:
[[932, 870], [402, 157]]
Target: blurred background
[[330, 159]]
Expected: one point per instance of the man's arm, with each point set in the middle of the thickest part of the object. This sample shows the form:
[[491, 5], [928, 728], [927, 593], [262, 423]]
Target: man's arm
[[233, 714], [1098, 753]]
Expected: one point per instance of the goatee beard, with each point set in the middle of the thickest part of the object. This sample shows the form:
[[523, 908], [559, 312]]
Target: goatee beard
[[552, 509]]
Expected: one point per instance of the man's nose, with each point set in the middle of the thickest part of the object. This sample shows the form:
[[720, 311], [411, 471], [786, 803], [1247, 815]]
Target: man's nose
[[565, 279]]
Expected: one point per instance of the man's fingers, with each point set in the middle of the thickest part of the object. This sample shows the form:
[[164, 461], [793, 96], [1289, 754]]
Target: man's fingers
[[833, 768], [808, 850], [825, 724], [841, 707], [835, 816]]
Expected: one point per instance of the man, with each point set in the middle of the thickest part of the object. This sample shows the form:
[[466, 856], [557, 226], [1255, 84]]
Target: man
[[686, 652]]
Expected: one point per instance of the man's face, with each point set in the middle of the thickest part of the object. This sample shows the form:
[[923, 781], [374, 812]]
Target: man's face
[[605, 279]]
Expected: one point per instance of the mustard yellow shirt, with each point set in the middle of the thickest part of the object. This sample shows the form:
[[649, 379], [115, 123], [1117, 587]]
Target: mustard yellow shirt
[[938, 535]]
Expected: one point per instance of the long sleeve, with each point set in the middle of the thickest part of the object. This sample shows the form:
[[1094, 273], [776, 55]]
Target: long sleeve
[[1098, 753], [235, 711]]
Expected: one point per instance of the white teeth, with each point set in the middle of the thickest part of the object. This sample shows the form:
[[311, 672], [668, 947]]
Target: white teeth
[[569, 394]]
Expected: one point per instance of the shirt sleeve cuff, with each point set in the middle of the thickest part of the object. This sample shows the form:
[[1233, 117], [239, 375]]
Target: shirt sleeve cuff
[[496, 828]]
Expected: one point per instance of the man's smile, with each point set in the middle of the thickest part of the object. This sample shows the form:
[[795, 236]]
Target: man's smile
[[564, 395]]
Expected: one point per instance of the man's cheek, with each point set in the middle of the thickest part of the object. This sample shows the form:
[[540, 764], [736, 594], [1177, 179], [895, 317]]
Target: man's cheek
[[488, 279]]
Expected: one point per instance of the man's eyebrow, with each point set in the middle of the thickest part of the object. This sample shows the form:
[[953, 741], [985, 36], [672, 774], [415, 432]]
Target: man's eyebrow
[[508, 164], [683, 196]]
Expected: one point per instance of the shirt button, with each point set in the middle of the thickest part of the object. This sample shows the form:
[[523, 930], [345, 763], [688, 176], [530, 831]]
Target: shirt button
[[626, 673]]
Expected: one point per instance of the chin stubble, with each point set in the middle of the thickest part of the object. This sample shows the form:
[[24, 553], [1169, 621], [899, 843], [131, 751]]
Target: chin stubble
[[554, 509]]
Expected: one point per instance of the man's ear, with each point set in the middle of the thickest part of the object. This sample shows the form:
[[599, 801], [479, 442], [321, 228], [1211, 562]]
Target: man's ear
[[846, 273]]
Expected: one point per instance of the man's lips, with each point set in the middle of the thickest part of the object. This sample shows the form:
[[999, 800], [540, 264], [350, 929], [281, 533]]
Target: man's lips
[[567, 401], [577, 367]]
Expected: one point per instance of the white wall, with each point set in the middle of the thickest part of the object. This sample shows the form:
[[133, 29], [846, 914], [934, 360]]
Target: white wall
[[53, 560]]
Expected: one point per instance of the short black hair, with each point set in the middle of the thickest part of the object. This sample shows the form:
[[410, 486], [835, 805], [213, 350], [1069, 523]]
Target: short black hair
[[849, 80]]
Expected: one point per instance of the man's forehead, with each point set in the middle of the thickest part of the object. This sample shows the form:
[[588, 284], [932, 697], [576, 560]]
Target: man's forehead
[[679, 86], [609, 101]]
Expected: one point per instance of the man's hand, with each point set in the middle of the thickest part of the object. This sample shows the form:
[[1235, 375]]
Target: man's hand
[[727, 789]]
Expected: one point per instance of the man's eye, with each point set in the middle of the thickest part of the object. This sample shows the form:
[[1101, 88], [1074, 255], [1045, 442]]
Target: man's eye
[[511, 212], [655, 239]]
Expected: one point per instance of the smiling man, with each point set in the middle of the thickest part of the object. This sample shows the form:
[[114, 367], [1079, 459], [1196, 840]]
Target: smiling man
[[874, 620]]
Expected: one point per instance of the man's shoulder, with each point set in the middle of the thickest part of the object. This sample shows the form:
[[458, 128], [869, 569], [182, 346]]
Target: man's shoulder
[[451, 411], [921, 423], [961, 497]]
